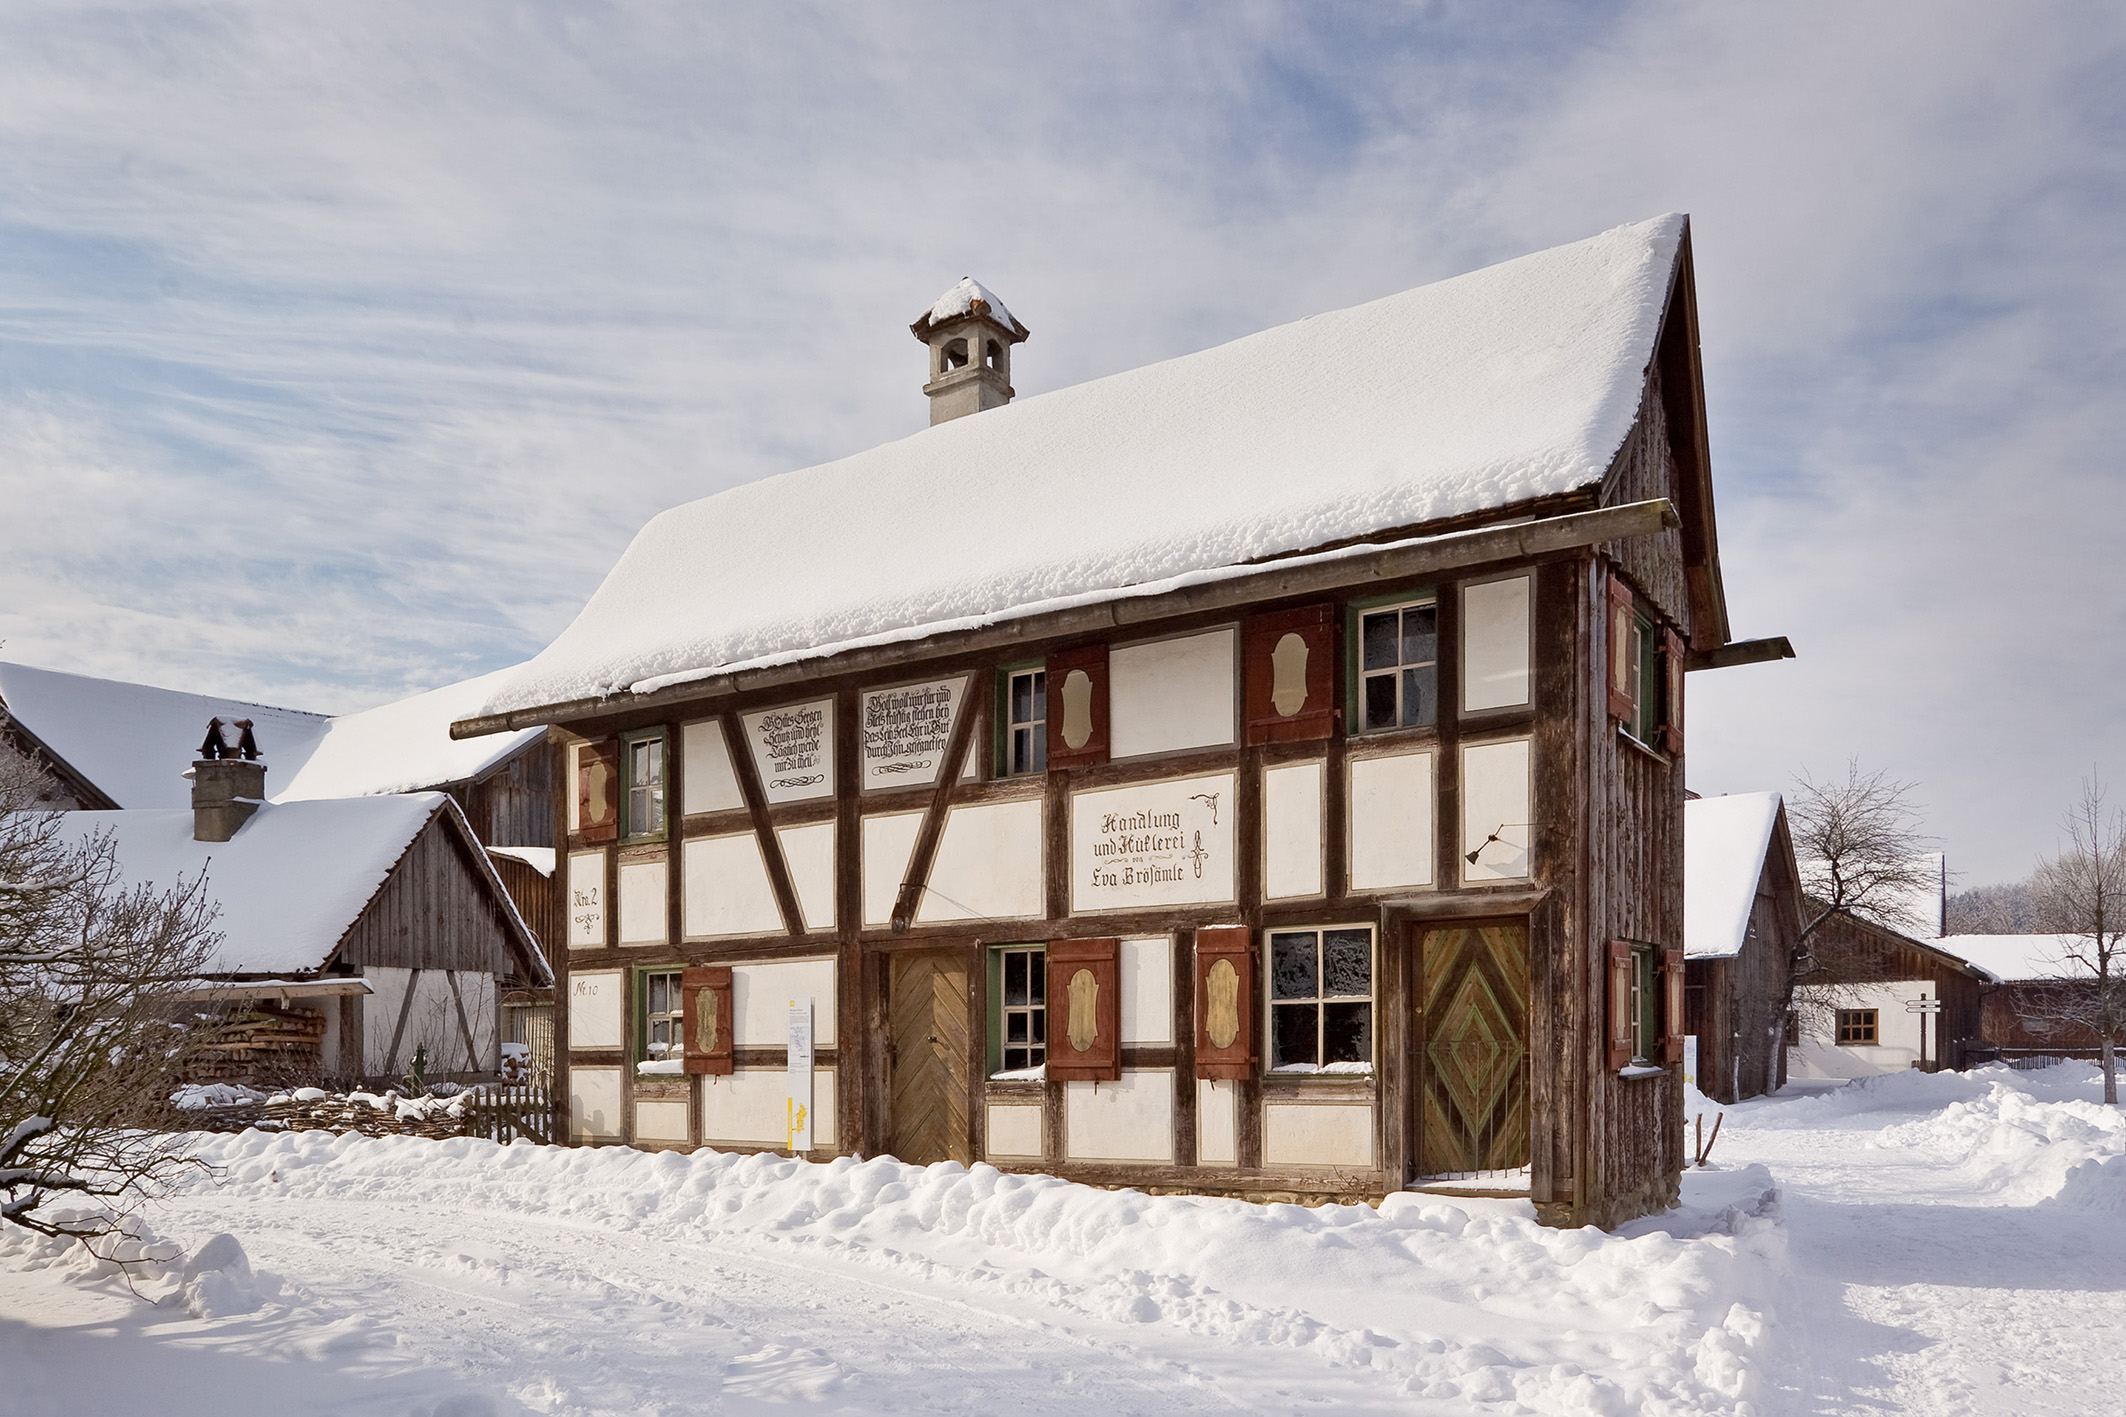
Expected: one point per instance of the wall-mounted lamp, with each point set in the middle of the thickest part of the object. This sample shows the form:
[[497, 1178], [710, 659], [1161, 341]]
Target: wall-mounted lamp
[[1504, 827]]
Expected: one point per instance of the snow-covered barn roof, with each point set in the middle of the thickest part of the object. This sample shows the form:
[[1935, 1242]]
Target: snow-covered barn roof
[[133, 742], [1724, 844], [289, 883], [2008, 957], [403, 746], [1476, 393]]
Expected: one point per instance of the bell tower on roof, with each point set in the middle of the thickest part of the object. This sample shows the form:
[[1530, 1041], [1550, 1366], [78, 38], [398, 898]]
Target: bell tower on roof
[[970, 335]]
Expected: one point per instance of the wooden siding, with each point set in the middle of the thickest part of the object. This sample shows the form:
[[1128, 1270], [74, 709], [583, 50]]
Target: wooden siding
[[1644, 469], [435, 911], [1734, 1005], [2041, 1015], [533, 891], [513, 804], [1852, 951]]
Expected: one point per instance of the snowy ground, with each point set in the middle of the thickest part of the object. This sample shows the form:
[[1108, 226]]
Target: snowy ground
[[1941, 1245]]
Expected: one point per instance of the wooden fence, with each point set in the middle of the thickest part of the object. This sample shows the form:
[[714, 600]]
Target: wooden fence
[[501, 1113]]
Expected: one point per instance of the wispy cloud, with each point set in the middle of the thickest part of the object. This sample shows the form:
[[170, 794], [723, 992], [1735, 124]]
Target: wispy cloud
[[341, 350]]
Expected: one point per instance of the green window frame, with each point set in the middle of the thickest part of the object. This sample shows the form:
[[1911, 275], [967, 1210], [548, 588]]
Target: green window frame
[[645, 760], [1021, 720], [1320, 999], [1392, 667], [1018, 1007], [659, 1014], [1645, 1006]]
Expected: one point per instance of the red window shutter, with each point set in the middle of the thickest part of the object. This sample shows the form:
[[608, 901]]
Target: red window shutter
[[1077, 705], [1303, 641], [1672, 1024], [598, 791], [1225, 1002], [705, 996], [1672, 665], [1621, 614], [1085, 1008], [1620, 965]]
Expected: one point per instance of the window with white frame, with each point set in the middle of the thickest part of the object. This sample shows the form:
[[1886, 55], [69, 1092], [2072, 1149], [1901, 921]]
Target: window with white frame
[[1321, 1000], [1398, 666], [1018, 1008], [1025, 745], [643, 769], [663, 1014]]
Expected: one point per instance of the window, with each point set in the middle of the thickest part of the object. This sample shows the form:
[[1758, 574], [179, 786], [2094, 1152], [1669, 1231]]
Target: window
[[1645, 1008], [1858, 1027], [663, 1016], [1645, 710], [1321, 1000], [1024, 722], [1018, 1008], [1398, 666], [643, 761]]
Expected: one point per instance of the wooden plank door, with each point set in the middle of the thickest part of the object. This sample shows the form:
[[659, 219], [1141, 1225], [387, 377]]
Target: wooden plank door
[[1472, 1031], [931, 1039]]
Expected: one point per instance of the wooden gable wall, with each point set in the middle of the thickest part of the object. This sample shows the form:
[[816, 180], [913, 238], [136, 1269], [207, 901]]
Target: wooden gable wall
[[436, 910]]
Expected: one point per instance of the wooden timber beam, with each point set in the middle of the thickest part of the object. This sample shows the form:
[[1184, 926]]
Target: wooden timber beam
[[1740, 652], [1347, 569]]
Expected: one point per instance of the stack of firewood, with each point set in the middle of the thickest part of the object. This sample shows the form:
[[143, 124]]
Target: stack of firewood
[[262, 1043]]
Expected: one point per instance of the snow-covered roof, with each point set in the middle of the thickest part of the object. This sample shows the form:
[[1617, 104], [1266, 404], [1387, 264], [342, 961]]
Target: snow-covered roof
[[135, 742], [2008, 957], [1724, 844], [1480, 392], [403, 746], [539, 858], [291, 880], [960, 299]]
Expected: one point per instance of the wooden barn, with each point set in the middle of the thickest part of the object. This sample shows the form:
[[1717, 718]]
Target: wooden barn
[[2043, 1001], [354, 930], [1741, 917], [1884, 1002], [1259, 773]]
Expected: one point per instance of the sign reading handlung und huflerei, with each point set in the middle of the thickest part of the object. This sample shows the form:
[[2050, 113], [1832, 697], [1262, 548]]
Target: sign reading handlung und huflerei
[[1152, 844]]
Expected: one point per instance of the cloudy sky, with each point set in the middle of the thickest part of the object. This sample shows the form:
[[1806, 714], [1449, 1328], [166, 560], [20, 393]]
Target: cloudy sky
[[343, 347]]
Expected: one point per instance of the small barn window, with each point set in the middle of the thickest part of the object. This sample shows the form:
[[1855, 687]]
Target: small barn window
[[663, 1025], [1321, 1000], [1858, 1027], [643, 766], [1018, 1008], [1024, 722], [1398, 666]]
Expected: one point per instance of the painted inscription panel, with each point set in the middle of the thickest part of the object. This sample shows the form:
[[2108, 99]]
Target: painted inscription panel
[[1152, 844], [793, 747], [905, 730]]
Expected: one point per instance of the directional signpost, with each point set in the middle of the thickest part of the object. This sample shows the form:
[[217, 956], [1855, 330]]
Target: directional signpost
[[1922, 1006]]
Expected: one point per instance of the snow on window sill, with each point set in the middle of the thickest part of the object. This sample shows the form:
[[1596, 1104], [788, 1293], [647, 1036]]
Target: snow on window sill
[[1322, 1070], [1641, 1070], [663, 1067], [1037, 1073]]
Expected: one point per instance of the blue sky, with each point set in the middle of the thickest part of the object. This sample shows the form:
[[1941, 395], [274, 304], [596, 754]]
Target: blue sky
[[343, 348]]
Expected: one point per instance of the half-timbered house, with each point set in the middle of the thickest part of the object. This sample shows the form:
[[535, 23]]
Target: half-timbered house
[[1741, 918], [1258, 773]]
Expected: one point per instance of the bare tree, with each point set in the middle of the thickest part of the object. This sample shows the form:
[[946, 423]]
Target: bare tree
[[92, 1025], [2081, 894], [1862, 854], [2004, 909]]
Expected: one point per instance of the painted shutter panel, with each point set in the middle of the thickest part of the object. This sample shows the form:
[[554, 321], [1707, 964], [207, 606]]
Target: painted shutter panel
[[1309, 662], [598, 791], [1619, 1004], [1672, 1025], [1619, 637], [1225, 1002], [1077, 707], [705, 998], [1084, 1008], [1672, 665]]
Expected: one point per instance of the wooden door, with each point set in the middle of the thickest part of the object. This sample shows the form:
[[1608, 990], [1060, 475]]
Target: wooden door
[[931, 1043], [1472, 1031]]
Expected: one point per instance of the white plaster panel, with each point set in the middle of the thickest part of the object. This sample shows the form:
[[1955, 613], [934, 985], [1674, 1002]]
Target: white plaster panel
[[596, 1012], [1217, 1123], [888, 840], [988, 864], [1167, 695], [793, 749], [1495, 799], [1291, 831], [1130, 1120], [727, 888], [1152, 844], [476, 996], [1014, 1130], [808, 852], [1317, 1134], [1392, 812], [1148, 990], [380, 1014], [1818, 1054], [586, 900], [708, 782], [761, 995], [660, 1121], [643, 919], [750, 1108], [594, 1103], [1495, 644]]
